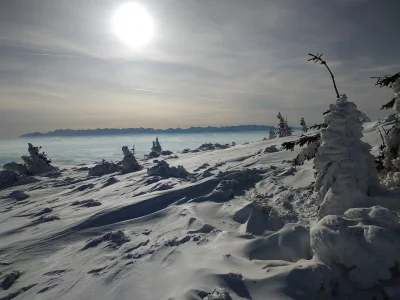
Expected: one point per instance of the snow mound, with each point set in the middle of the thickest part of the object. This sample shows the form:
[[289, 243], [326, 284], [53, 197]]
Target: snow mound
[[18, 195], [10, 279], [291, 243], [86, 203], [390, 119], [44, 211], [365, 240], [103, 168], [164, 170], [45, 219], [110, 181], [114, 238], [271, 149], [258, 220], [8, 178]]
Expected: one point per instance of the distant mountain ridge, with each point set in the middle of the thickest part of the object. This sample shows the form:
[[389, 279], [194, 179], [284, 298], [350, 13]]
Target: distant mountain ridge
[[122, 131]]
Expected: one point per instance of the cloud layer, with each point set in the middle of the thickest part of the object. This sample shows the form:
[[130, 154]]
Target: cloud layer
[[225, 62]]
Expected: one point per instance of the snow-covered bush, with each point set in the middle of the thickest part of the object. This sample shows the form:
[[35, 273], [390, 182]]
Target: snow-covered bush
[[163, 169], [272, 133], [104, 168], [283, 127], [129, 162], [391, 147], [166, 152], [346, 175], [366, 241], [7, 178], [156, 147], [15, 167], [36, 163], [303, 125]]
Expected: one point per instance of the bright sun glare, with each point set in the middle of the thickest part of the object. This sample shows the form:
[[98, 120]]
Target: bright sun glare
[[133, 24]]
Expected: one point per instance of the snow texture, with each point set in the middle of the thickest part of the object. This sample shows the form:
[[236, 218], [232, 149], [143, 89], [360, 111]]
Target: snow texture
[[241, 225], [366, 241]]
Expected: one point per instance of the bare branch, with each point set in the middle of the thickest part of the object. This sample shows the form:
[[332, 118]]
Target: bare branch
[[389, 105], [387, 80], [317, 58], [319, 126]]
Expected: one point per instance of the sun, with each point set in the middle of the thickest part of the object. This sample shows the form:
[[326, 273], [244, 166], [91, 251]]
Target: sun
[[133, 24]]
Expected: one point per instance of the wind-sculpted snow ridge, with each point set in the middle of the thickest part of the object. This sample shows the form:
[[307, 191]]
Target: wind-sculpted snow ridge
[[240, 223]]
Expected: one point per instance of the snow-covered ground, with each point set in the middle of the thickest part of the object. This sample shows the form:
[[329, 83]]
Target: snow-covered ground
[[238, 229]]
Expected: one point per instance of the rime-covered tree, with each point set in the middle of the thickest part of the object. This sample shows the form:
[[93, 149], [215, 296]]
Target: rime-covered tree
[[129, 162], [272, 133], [346, 175], [388, 162], [156, 147], [283, 127], [345, 172], [36, 163], [304, 126]]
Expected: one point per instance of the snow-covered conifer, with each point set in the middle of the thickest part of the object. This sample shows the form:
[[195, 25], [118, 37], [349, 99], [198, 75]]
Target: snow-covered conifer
[[346, 175], [283, 127], [129, 162], [304, 126], [390, 149], [35, 163], [272, 133]]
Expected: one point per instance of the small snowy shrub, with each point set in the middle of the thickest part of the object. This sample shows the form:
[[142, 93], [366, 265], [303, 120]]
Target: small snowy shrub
[[389, 159], [36, 163], [303, 125], [283, 127], [129, 162]]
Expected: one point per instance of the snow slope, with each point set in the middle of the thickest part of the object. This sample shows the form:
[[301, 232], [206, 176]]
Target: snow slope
[[239, 228]]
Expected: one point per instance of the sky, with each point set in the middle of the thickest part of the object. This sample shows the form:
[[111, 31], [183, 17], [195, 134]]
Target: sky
[[209, 63]]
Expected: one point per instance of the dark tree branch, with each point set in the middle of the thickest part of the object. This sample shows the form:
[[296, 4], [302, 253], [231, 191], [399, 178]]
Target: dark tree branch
[[326, 112], [303, 140], [319, 126], [387, 81], [317, 58], [389, 105]]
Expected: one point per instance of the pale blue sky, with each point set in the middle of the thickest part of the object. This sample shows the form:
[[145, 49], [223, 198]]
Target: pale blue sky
[[225, 62]]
